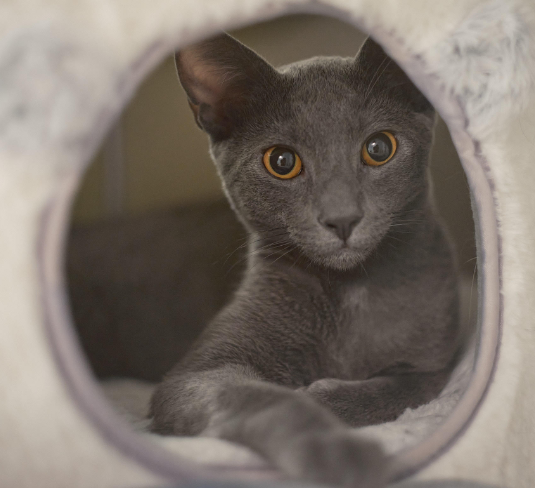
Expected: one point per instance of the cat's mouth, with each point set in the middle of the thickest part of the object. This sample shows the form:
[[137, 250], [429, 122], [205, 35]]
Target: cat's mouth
[[345, 260], [339, 255], [343, 254], [347, 257]]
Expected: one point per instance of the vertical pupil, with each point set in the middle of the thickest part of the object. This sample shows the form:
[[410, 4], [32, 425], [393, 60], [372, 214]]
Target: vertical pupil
[[282, 161]]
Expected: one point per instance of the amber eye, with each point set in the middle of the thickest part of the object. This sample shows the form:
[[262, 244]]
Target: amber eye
[[379, 148], [282, 162]]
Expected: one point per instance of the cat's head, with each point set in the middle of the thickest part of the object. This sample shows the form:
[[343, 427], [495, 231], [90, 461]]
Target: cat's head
[[326, 153]]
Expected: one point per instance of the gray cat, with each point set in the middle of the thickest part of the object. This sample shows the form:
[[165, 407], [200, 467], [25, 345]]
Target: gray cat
[[348, 311]]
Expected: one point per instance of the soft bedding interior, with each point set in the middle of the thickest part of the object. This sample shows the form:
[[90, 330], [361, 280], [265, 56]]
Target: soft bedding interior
[[131, 398]]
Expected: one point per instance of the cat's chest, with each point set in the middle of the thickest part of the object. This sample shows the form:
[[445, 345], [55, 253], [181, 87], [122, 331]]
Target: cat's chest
[[371, 332]]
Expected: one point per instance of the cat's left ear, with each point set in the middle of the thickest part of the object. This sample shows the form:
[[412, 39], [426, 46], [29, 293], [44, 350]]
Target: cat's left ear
[[223, 79], [381, 74]]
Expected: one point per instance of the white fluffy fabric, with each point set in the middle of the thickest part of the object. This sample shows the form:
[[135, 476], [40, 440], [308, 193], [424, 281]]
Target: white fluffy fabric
[[66, 68]]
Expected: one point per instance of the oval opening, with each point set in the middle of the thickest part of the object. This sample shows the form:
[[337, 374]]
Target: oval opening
[[119, 213]]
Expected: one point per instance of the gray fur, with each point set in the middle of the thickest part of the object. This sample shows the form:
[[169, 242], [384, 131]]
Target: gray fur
[[366, 329]]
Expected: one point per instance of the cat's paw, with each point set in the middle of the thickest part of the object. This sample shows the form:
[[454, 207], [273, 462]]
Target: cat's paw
[[327, 391], [336, 457], [323, 386], [339, 397]]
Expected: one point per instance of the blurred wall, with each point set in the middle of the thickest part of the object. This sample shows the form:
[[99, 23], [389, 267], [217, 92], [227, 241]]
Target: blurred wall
[[157, 156]]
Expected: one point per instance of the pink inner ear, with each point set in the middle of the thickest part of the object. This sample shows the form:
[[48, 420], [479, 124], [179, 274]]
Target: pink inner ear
[[206, 82]]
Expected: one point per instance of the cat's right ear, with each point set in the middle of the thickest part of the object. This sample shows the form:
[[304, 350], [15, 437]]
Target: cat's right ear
[[221, 77]]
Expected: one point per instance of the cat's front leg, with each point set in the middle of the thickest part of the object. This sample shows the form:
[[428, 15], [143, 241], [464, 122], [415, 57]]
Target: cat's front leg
[[376, 400], [294, 433]]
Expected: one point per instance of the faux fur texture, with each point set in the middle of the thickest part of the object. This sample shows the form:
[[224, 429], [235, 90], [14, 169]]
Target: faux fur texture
[[487, 64]]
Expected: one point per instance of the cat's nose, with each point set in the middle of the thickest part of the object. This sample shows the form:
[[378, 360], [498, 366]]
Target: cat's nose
[[341, 226]]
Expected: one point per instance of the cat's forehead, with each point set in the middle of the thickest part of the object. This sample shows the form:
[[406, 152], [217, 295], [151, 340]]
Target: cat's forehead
[[321, 82], [331, 94], [317, 64], [325, 75]]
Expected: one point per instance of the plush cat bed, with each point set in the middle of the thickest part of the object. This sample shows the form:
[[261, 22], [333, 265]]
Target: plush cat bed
[[66, 72]]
